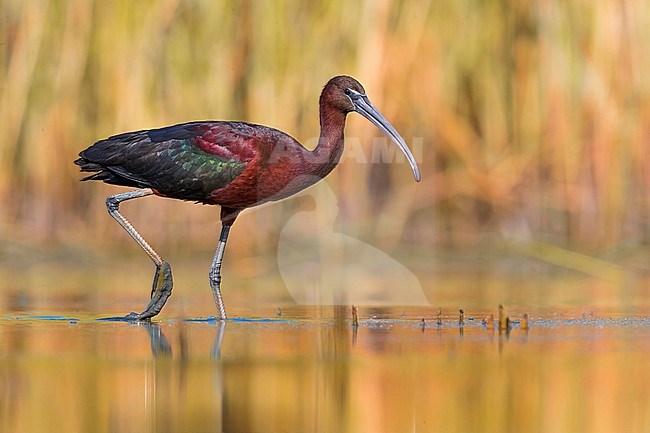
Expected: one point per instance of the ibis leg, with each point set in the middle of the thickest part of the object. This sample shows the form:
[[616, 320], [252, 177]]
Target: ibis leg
[[215, 271], [162, 281]]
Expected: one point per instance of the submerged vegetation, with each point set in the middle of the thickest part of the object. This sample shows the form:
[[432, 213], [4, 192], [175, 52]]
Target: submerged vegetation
[[533, 117]]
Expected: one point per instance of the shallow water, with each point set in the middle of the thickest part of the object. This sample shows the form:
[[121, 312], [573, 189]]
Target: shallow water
[[297, 375], [280, 367]]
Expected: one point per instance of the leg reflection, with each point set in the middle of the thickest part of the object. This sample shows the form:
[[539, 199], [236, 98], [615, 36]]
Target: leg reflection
[[218, 373], [218, 339], [159, 344]]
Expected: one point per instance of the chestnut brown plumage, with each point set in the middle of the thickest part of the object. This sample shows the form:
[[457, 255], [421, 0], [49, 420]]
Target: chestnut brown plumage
[[236, 165]]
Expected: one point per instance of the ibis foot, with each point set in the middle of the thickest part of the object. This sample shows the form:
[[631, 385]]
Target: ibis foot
[[134, 317], [161, 290]]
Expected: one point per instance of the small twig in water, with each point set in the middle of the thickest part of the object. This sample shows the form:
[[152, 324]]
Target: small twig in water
[[524, 322], [355, 317], [502, 318]]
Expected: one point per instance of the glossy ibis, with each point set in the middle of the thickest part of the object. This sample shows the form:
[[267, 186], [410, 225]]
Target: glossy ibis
[[236, 165]]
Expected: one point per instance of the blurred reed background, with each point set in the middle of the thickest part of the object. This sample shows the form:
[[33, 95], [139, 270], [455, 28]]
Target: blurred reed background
[[533, 117]]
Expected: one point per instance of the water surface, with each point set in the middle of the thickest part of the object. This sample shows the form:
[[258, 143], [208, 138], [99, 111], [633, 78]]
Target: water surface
[[280, 367]]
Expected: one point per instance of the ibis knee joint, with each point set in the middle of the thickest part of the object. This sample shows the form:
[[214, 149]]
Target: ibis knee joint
[[112, 204], [215, 277]]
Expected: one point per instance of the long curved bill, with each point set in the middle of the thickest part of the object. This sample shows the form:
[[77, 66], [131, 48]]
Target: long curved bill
[[363, 106]]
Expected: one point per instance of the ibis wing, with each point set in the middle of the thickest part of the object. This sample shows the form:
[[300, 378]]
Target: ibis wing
[[187, 161]]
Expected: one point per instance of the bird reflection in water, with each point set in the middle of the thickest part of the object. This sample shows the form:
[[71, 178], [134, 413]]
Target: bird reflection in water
[[160, 344]]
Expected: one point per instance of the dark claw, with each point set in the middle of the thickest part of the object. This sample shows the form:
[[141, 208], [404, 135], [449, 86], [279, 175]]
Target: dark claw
[[132, 317]]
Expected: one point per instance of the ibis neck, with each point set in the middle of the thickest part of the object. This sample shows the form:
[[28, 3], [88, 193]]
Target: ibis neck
[[327, 153]]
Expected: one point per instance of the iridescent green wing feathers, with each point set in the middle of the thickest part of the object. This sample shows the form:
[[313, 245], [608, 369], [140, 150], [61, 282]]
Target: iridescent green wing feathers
[[187, 161]]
